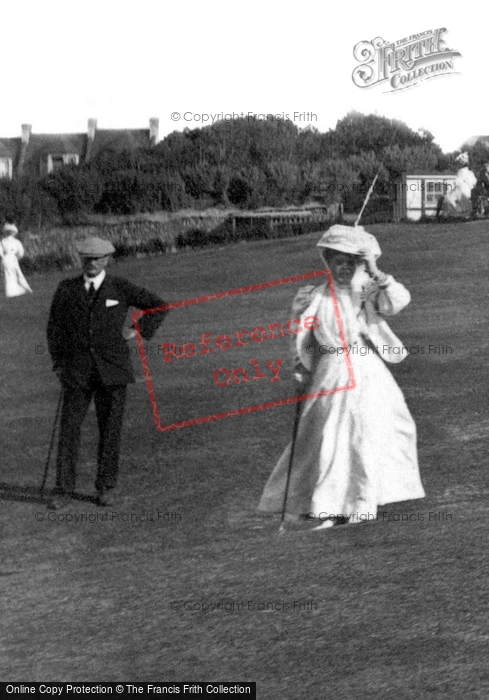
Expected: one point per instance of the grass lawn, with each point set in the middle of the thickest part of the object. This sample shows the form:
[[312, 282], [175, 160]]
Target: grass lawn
[[200, 587]]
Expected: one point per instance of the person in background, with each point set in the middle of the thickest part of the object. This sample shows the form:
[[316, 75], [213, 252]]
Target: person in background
[[457, 203], [11, 251]]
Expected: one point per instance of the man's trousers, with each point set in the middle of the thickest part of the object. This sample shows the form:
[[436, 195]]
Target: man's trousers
[[109, 406]]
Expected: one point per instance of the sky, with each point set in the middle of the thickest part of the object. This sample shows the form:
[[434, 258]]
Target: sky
[[122, 63]]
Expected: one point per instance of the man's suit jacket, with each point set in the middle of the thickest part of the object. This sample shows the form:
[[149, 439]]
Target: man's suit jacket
[[81, 334]]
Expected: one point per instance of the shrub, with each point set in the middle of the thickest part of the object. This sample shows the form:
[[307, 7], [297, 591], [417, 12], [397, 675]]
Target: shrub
[[193, 238]]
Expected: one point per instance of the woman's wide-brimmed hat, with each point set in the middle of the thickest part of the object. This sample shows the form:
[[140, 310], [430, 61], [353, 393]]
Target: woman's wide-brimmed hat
[[10, 229], [350, 239]]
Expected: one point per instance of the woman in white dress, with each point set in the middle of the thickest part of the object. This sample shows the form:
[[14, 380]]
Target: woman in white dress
[[458, 201], [11, 251], [356, 444]]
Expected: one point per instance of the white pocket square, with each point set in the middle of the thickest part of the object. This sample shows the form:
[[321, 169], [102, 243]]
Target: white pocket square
[[111, 302]]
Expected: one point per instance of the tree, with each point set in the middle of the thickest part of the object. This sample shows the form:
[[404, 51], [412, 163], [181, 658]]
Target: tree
[[358, 132]]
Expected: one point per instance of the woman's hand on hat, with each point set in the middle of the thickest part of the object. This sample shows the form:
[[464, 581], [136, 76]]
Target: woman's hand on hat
[[370, 263], [372, 269]]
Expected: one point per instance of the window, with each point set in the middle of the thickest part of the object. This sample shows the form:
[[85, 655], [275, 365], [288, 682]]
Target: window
[[57, 161], [6, 168], [434, 191]]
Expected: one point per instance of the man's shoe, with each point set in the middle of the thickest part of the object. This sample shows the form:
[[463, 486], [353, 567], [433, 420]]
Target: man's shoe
[[104, 500]]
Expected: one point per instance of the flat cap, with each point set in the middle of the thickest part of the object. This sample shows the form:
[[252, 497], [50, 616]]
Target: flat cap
[[11, 229], [95, 247]]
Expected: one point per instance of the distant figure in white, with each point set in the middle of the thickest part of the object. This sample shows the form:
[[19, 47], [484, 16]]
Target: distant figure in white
[[458, 202], [11, 251]]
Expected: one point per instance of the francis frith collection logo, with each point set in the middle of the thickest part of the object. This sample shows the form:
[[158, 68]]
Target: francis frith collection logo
[[404, 63]]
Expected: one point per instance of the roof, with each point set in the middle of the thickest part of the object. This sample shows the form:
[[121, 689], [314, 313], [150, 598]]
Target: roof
[[44, 144], [433, 175], [9, 147], [427, 173], [119, 139]]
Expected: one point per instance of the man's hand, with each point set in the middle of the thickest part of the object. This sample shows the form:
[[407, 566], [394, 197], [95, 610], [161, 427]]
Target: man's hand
[[128, 333]]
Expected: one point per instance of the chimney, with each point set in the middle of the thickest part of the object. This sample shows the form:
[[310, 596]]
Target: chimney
[[25, 137], [153, 131], [91, 131], [26, 134]]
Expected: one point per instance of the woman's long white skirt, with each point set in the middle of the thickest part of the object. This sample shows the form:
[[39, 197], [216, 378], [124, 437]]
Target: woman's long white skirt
[[15, 282], [355, 449]]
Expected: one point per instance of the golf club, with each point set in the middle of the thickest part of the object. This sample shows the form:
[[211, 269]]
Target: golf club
[[51, 443], [292, 448]]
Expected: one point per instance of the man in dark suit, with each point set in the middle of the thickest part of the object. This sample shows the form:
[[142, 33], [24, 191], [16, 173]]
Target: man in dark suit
[[90, 356]]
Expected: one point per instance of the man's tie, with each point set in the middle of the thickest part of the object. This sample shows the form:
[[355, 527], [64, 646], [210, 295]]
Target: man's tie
[[91, 293]]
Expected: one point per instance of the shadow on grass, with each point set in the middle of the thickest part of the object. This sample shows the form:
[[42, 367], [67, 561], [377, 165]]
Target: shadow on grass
[[32, 494]]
